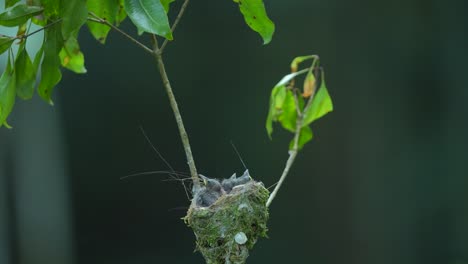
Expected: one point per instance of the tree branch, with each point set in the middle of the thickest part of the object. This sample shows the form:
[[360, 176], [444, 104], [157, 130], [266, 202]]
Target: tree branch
[[175, 108], [176, 22], [99, 20], [34, 32]]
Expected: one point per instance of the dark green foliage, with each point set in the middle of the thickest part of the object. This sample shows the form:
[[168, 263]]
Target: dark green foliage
[[5, 43], [25, 74], [62, 20], [18, 15], [7, 93]]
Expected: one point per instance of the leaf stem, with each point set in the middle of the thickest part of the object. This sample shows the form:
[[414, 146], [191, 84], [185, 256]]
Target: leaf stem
[[175, 108], [292, 156], [176, 22], [34, 32], [99, 20]]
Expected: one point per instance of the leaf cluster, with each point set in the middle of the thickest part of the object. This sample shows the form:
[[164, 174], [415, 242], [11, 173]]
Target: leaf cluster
[[295, 109], [61, 21]]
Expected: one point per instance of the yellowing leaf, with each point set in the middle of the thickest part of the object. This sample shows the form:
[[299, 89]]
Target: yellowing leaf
[[110, 10], [309, 85], [71, 56], [298, 60]]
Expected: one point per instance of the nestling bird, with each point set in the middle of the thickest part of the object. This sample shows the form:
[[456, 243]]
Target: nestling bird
[[233, 181], [212, 189], [209, 193]]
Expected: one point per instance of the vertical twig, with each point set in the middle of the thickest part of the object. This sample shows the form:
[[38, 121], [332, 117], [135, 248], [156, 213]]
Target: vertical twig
[[176, 22], [175, 108], [289, 162]]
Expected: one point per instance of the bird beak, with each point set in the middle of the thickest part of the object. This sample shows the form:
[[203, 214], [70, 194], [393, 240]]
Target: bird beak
[[204, 178]]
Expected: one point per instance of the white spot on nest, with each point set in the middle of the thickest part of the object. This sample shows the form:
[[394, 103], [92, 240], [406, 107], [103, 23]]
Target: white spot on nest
[[243, 206], [240, 238]]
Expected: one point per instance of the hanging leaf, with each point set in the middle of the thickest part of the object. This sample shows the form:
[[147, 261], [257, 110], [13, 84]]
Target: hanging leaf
[[71, 56], [50, 67], [110, 10], [25, 74], [38, 58], [278, 94], [75, 15], [149, 16], [18, 15], [305, 136], [256, 18], [121, 14], [7, 93], [5, 43], [321, 104], [298, 60], [309, 85], [166, 4], [10, 3], [288, 115]]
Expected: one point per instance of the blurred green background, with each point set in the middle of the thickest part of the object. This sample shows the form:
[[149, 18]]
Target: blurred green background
[[383, 182]]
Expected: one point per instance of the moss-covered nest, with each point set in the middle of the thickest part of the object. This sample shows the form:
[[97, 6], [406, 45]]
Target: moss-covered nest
[[229, 227]]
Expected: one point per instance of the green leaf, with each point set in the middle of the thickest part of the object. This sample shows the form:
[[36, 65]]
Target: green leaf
[[256, 18], [38, 58], [18, 15], [71, 56], [110, 10], [288, 116], [278, 94], [25, 74], [166, 4], [75, 15], [305, 136], [53, 8], [5, 43], [50, 67], [10, 3], [149, 16], [321, 104], [7, 93], [121, 14]]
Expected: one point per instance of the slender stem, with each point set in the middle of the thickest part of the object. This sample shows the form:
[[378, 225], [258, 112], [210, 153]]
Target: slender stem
[[289, 162], [176, 22], [34, 32], [175, 108], [105, 22]]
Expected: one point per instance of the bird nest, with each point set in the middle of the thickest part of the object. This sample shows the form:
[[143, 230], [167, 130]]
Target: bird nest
[[228, 217]]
